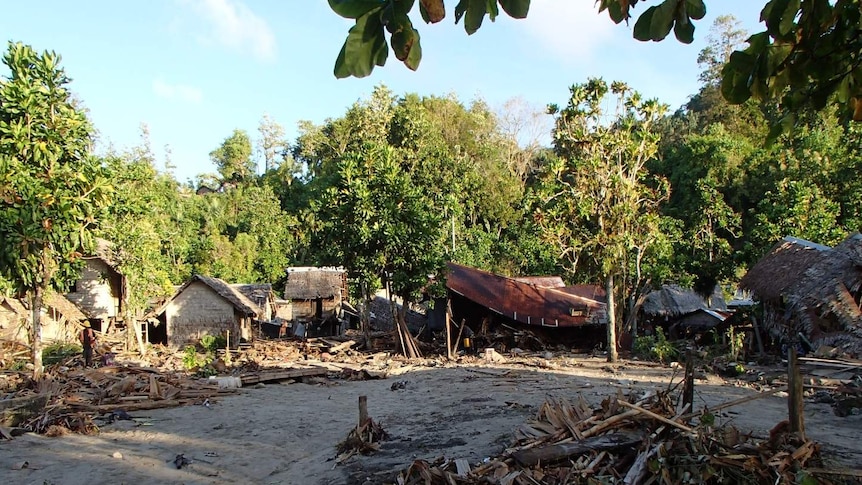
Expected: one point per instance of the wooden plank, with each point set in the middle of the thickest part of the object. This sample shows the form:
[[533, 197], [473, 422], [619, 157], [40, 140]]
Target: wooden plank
[[794, 394], [559, 451], [154, 387], [657, 416], [363, 411], [281, 374]]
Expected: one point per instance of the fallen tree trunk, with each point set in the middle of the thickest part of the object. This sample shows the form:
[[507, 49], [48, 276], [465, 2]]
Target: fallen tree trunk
[[607, 442]]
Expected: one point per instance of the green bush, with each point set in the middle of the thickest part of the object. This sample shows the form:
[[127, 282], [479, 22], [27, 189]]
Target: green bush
[[191, 359], [57, 352], [212, 342], [654, 347]]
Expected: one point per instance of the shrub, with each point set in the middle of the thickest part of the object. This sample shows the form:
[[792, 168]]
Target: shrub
[[191, 359], [212, 342], [59, 351], [655, 347]]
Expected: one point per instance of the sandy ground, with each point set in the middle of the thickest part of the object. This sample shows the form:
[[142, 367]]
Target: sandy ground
[[287, 433]]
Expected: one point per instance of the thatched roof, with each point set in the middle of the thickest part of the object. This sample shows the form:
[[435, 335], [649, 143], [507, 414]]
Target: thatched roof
[[258, 294], [782, 268], [825, 286], [15, 305], [674, 301], [224, 290], [54, 301], [312, 283], [62, 305]]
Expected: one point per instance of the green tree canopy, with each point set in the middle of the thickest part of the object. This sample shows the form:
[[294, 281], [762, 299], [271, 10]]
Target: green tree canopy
[[51, 189], [233, 158]]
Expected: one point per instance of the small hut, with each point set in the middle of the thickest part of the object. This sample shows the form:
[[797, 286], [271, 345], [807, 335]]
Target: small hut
[[205, 306], [681, 310], [315, 293], [813, 290], [101, 291]]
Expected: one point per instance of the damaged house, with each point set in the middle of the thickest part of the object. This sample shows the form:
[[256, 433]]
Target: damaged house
[[209, 306], [101, 292], [812, 290], [682, 311], [478, 297], [61, 320], [313, 299]]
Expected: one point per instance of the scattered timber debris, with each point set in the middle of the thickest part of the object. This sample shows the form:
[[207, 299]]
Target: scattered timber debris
[[632, 441], [365, 438]]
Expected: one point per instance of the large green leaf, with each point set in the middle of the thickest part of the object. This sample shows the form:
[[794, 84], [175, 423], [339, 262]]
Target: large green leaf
[[353, 9], [696, 9], [516, 8], [643, 30], [432, 11], [364, 48]]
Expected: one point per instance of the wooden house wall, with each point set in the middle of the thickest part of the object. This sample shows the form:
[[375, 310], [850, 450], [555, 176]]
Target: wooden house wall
[[199, 311], [307, 309], [97, 291]]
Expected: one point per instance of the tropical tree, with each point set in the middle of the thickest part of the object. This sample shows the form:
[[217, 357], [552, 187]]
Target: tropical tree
[[233, 158], [599, 206], [52, 189]]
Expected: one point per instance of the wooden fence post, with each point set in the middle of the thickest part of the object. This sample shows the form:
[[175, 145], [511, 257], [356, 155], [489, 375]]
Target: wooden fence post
[[794, 390]]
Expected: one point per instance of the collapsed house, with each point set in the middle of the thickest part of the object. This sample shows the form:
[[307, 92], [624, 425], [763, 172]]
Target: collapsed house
[[60, 320], [209, 306], [811, 290], [101, 291], [480, 298], [682, 311]]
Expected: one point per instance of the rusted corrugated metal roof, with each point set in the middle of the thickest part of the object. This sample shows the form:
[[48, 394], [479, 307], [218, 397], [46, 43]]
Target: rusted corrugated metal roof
[[543, 281], [525, 302]]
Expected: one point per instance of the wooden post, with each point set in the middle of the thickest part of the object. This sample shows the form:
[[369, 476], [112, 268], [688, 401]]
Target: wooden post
[[449, 329], [757, 336], [363, 411], [794, 390], [688, 388]]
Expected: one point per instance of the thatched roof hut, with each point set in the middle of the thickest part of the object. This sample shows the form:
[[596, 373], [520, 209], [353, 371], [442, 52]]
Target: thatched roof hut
[[671, 301], [814, 288], [783, 267]]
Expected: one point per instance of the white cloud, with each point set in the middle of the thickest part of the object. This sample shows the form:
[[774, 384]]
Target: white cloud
[[572, 30], [232, 24], [177, 92]]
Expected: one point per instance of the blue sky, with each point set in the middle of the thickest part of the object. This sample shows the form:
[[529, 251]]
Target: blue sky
[[194, 70]]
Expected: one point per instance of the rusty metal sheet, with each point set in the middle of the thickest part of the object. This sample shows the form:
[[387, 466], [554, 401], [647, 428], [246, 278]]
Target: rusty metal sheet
[[525, 302]]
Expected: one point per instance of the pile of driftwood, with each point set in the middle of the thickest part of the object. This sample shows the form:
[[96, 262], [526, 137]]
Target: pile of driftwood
[[633, 441], [69, 398]]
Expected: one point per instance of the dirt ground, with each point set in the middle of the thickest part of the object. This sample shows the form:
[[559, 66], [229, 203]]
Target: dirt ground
[[286, 433]]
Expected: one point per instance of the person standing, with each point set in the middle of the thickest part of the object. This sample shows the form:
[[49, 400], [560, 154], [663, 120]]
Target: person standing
[[88, 339]]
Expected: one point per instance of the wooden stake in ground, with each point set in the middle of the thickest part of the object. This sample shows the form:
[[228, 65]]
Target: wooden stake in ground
[[688, 387], [794, 394], [363, 411], [449, 353]]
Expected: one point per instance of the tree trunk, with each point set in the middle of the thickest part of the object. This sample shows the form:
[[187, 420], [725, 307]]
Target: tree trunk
[[36, 331], [612, 320]]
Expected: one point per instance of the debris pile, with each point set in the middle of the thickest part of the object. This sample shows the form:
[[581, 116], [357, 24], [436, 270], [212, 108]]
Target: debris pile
[[365, 438], [629, 440], [68, 399]]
